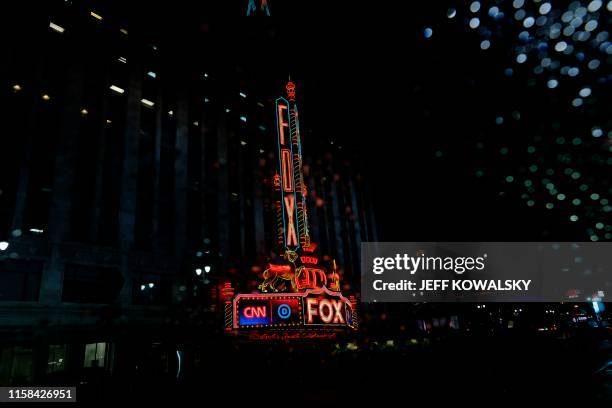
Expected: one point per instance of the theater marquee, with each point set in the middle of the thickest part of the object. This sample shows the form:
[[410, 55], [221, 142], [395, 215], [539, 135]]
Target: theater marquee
[[299, 296]]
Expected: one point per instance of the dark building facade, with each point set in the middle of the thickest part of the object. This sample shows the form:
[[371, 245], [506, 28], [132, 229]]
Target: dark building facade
[[136, 179]]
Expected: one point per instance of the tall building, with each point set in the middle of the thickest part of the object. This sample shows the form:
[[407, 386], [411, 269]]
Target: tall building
[[135, 179]]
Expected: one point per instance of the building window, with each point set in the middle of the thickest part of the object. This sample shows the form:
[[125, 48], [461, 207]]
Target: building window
[[20, 280], [57, 358], [16, 366], [95, 355]]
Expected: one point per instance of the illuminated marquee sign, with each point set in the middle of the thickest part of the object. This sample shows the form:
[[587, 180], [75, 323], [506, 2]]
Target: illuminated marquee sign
[[300, 293], [315, 308]]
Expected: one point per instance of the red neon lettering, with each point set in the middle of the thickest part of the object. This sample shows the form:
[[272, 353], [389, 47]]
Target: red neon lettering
[[282, 124], [287, 170], [291, 234], [252, 311], [311, 278], [309, 259]]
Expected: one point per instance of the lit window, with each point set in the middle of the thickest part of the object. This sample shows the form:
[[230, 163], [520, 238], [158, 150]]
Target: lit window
[[147, 102], [117, 89], [56, 27], [95, 15], [95, 355]]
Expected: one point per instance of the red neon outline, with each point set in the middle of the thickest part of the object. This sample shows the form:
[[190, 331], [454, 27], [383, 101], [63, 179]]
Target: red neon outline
[[287, 170], [281, 122]]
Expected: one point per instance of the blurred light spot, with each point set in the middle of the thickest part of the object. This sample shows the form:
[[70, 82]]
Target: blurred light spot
[[475, 6], [521, 58], [474, 22], [591, 25], [585, 92], [552, 83], [595, 5], [451, 13], [596, 132], [485, 44], [428, 32], [544, 8]]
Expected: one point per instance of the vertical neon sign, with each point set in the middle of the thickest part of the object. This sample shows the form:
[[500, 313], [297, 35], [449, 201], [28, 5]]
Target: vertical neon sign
[[292, 189]]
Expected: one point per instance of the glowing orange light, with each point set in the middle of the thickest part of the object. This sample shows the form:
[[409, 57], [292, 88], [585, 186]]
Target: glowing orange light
[[287, 170], [310, 278], [290, 87], [291, 233], [309, 259]]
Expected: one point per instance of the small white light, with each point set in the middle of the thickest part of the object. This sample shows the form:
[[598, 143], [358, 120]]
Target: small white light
[[198, 271], [152, 74], [122, 59], [36, 230], [205, 75], [4, 245], [124, 31], [243, 118], [147, 102], [142, 287], [117, 89], [56, 27], [243, 94], [95, 15], [207, 268], [151, 284], [242, 142]]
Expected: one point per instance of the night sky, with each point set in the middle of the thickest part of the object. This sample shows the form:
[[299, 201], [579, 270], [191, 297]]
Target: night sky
[[474, 121]]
